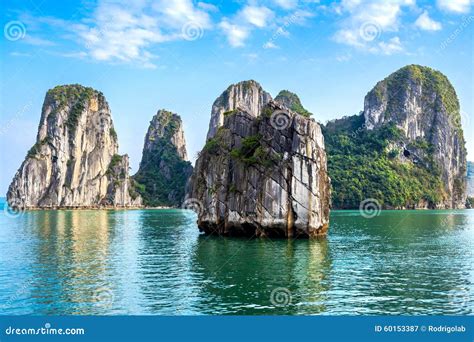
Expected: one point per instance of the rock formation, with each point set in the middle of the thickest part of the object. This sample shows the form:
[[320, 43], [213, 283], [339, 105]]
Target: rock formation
[[164, 169], [423, 104], [405, 150], [292, 101], [74, 162], [262, 172], [247, 96]]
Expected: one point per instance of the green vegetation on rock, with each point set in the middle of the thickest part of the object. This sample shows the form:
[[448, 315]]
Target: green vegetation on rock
[[74, 95], [35, 149], [292, 102], [362, 165], [431, 81], [162, 176]]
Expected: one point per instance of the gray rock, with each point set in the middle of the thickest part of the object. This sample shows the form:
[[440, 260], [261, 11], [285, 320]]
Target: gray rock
[[164, 169], [246, 95], [263, 173], [423, 104], [71, 164]]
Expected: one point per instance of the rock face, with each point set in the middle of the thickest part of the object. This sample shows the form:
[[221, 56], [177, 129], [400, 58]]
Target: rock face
[[164, 169], [262, 174], [247, 96], [74, 162], [292, 101], [422, 103]]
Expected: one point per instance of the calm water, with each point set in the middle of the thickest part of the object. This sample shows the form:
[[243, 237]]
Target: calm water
[[155, 262]]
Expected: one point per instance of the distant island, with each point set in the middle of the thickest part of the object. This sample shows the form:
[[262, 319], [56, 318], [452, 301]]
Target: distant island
[[268, 168]]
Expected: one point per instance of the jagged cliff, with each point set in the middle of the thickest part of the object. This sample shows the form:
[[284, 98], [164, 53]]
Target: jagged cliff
[[262, 172], [408, 139], [247, 96], [164, 169], [75, 161]]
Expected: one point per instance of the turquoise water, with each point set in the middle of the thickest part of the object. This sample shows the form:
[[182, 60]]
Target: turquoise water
[[156, 262]]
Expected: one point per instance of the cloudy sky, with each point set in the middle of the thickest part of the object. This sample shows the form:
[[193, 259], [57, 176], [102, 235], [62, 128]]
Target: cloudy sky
[[181, 54]]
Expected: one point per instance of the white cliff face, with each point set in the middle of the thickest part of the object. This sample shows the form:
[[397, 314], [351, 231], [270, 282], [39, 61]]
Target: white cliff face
[[246, 96], [69, 164], [263, 175], [422, 103]]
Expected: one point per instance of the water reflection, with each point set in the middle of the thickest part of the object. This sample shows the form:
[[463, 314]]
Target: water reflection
[[155, 262], [71, 246], [241, 277]]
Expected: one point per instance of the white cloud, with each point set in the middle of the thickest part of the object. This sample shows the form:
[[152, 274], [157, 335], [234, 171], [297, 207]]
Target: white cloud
[[37, 41], [236, 35], [367, 21], [270, 45], [286, 4], [426, 23], [455, 6], [343, 58], [257, 16], [389, 48], [125, 31], [20, 54], [239, 28], [208, 7]]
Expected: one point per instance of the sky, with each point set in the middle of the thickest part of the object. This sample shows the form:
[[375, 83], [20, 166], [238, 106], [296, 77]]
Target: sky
[[180, 55]]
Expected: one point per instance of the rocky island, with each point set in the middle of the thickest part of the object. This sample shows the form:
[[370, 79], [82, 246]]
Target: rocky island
[[74, 162], [406, 149], [262, 171], [164, 168]]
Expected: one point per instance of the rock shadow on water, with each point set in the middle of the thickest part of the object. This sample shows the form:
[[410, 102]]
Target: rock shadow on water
[[262, 276]]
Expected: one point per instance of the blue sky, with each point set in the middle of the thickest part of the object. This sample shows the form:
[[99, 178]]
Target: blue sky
[[180, 55]]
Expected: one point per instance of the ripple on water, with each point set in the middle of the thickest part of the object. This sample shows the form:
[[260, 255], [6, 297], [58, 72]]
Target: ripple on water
[[156, 262]]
